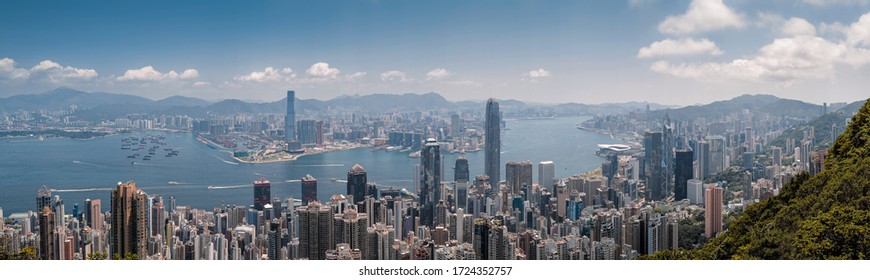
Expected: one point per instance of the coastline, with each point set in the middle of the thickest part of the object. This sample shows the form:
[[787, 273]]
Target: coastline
[[292, 157]]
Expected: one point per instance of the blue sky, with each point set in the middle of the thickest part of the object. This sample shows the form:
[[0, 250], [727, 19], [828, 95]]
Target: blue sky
[[674, 52]]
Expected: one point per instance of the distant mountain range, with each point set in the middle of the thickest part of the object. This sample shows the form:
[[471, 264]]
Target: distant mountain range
[[770, 104], [102, 105]]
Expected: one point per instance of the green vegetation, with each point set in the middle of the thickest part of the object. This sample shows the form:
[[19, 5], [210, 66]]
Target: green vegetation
[[692, 231], [127, 256], [98, 256], [826, 216]]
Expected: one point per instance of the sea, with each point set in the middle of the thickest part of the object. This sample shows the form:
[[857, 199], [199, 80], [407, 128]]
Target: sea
[[206, 178]]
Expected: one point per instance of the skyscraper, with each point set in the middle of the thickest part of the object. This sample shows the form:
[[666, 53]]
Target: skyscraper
[[716, 158], [262, 193], [655, 170], [695, 191], [356, 183], [430, 181], [682, 173], [290, 122], [455, 125], [546, 173], [46, 234], [43, 198], [315, 221], [309, 189], [703, 150], [713, 210], [129, 220], [776, 155], [460, 171], [93, 214], [461, 181], [750, 139], [492, 161], [351, 227], [308, 132], [517, 175]]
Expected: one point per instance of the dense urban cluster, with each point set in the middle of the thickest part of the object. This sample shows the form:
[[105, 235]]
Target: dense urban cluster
[[635, 204]]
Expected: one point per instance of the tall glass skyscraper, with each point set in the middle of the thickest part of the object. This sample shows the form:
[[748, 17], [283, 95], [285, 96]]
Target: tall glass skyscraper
[[430, 181], [492, 142], [290, 121]]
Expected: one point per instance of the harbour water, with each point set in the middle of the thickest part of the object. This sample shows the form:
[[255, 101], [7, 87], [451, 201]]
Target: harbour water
[[81, 169]]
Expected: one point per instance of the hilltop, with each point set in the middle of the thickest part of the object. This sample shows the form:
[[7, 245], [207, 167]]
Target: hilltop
[[826, 216]]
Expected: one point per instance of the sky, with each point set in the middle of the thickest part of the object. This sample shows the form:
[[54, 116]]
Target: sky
[[676, 52]]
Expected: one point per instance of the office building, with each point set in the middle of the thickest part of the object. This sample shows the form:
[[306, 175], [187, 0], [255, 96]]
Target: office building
[[290, 122], [716, 161], [308, 132], [546, 173], [309, 189], [517, 175], [460, 171], [430, 181], [129, 220], [262, 193], [356, 183], [713, 210], [492, 143], [683, 171], [703, 157], [695, 191], [655, 169]]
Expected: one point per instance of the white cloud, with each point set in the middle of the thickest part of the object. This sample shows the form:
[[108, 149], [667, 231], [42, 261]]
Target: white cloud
[[189, 74], [322, 71], [859, 32], [201, 84], [394, 76], [355, 76], [44, 70], [703, 15], [784, 62], [540, 73], [438, 74], [682, 47], [269, 74], [798, 26], [8, 71], [837, 2], [148, 73]]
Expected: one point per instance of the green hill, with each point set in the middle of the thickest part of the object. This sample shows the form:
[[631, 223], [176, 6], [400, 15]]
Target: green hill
[[824, 126], [826, 216]]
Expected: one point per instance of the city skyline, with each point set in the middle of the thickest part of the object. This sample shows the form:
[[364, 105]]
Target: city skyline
[[455, 130], [586, 52]]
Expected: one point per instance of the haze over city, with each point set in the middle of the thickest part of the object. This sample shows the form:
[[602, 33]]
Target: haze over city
[[546, 52]]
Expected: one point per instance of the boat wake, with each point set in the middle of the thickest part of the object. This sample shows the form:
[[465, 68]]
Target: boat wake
[[87, 163], [226, 187], [225, 161], [81, 190], [294, 181], [324, 165]]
